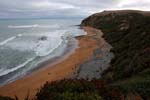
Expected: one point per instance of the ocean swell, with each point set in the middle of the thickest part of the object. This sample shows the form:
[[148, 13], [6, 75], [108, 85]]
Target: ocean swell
[[33, 26], [9, 39], [5, 72], [44, 46]]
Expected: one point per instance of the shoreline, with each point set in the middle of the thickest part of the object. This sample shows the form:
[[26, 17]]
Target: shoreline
[[63, 69], [71, 46]]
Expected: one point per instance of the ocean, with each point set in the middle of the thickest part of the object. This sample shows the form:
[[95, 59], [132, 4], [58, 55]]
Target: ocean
[[26, 43]]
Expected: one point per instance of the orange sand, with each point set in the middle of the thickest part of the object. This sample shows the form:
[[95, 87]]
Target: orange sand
[[31, 83]]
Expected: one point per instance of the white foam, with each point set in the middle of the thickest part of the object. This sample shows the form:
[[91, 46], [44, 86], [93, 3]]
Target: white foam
[[5, 72], [35, 43], [54, 34], [41, 48], [9, 39], [53, 41], [33, 26], [49, 26], [45, 47], [19, 35], [22, 26]]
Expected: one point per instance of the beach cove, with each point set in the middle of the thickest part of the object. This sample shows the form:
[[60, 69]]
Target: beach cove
[[64, 69]]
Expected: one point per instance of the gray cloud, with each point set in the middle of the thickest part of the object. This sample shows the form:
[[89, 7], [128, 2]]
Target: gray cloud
[[64, 8]]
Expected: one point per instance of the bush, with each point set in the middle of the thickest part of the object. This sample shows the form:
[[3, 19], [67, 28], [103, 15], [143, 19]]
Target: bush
[[6, 98]]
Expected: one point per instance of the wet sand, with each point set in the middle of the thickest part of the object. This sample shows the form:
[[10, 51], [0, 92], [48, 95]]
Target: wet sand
[[99, 62], [30, 84]]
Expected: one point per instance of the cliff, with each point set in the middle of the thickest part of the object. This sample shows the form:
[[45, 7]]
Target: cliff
[[128, 32]]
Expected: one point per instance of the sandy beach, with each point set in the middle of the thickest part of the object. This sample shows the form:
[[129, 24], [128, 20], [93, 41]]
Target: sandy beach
[[31, 83]]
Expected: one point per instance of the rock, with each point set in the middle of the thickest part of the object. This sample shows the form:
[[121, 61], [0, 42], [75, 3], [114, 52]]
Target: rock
[[43, 38]]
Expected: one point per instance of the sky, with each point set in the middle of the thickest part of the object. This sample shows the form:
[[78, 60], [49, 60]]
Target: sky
[[65, 8]]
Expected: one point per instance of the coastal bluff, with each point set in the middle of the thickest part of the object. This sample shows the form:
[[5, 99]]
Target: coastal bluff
[[128, 31], [128, 74]]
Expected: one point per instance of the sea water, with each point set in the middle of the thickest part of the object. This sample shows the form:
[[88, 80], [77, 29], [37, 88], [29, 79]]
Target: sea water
[[25, 43]]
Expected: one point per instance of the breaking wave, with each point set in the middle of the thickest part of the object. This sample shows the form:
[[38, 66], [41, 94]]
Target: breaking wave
[[9, 39], [5, 72], [33, 26]]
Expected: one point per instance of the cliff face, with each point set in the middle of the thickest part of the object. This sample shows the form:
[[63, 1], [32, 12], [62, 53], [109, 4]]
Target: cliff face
[[129, 34]]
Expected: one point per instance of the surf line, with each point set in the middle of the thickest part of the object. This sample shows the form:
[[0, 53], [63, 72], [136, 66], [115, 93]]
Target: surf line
[[9, 39], [16, 68]]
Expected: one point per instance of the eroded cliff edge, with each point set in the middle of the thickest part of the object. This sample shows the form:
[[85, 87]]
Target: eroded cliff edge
[[128, 32]]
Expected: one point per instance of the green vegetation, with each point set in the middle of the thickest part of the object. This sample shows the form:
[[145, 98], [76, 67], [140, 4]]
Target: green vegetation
[[68, 90], [78, 90], [139, 84], [6, 98], [129, 35], [129, 74]]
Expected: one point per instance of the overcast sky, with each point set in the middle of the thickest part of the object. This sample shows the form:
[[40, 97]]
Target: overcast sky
[[64, 8]]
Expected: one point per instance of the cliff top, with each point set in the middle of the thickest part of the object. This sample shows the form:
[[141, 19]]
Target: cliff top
[[105, 12]]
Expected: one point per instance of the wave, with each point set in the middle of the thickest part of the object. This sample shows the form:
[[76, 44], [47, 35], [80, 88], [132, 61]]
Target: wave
[[16, 68], [9, 39], [33, 26], [45, 47], [40, 52], [49, 42]]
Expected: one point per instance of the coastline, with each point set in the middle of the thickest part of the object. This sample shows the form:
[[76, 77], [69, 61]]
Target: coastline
[[63, 69], [67, 51]]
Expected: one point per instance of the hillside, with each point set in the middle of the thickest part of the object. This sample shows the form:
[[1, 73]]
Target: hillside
[[129, 34], [128, 77]]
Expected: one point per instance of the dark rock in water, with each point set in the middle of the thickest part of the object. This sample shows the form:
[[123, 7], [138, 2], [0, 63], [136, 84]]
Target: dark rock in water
[[43, 38]]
